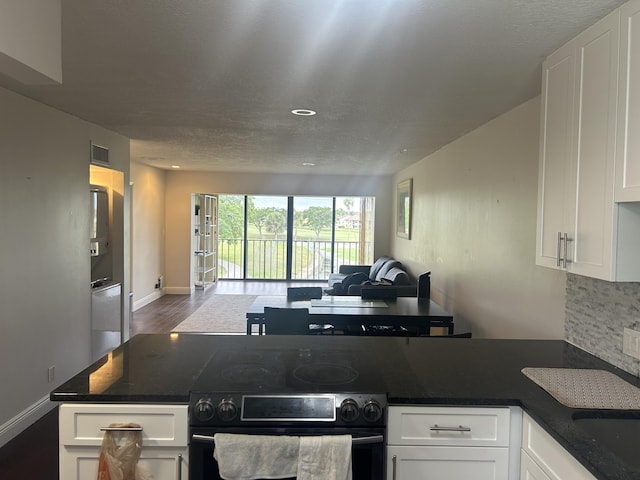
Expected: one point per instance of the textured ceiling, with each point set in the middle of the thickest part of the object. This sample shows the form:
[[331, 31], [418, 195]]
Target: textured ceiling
[[209, 84]]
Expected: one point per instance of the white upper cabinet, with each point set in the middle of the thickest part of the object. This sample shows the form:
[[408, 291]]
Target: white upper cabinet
[[628, 136], [556, 177], [596, 84], [580, 228]]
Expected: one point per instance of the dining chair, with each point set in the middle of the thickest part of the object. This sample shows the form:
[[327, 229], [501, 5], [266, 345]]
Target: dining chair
[[286, 321], [304, 293]]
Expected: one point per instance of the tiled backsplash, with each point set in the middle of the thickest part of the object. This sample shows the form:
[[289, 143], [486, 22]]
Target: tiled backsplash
[[597, 313]]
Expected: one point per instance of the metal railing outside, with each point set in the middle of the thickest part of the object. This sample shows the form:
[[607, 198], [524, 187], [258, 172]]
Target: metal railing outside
[[267, 258]]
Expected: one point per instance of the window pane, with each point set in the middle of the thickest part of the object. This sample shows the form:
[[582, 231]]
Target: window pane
[[231, 236], [367, 229], [312, 238], [348, 226], [267, 237]]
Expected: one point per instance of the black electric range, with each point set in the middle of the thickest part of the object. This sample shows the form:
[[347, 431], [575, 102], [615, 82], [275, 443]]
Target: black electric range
[[234, 380], [273, 390]]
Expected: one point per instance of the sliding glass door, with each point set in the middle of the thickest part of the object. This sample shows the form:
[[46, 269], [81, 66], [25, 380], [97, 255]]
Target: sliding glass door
[[292, 238]]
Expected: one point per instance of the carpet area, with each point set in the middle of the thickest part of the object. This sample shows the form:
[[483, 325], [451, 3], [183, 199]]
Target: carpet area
[[220, 314]]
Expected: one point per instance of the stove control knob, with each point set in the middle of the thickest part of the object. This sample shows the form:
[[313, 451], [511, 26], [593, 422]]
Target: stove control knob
[[204, 410], [349, 410], [227, 410], [372, 411]]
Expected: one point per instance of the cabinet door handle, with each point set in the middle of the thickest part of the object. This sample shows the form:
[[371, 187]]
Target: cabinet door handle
[[558, 249], [180, 467], [120, 429], [394, 462], [459, 428], [565, 241]]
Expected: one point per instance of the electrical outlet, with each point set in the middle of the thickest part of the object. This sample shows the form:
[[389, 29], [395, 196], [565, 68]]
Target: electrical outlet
[[631, 343], [51, 372]]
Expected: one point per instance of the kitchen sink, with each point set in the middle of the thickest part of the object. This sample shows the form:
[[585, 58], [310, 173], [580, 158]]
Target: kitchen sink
[[616, 431]]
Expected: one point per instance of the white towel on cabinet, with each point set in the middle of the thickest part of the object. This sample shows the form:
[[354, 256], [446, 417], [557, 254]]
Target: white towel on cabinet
[[326, 457], [248, 457]]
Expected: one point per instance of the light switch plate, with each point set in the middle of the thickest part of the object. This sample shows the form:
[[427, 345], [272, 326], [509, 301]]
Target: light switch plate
[[631, 343]]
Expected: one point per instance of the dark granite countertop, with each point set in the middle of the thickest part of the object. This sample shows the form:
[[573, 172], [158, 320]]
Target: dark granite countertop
[[163, 368]]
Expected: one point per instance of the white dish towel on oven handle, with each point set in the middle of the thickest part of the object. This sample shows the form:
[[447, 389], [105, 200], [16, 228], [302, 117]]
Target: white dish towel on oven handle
[[250, 457], [326, 457]]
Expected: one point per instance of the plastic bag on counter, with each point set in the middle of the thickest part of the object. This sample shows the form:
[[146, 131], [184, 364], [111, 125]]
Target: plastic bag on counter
[[121, 448]]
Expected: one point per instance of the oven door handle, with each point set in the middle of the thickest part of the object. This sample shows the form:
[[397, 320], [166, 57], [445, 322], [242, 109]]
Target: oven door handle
[[367, 440], [202, 438], [356, 440]]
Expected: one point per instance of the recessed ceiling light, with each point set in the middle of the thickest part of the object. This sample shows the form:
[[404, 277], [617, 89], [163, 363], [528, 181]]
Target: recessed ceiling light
[[175, 166], [308, 164], [303, 112]]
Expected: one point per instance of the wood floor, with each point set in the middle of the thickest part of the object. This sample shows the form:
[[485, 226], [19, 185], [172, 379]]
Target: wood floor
[[162, 315], [33, 455]]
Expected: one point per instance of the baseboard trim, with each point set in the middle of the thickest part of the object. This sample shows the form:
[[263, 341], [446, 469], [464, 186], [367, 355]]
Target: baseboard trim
[[178, 290], [16, 425], [148, 299]]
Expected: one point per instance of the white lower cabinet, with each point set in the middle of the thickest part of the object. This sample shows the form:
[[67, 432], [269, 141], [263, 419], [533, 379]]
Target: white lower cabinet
[[544, 458], [447, 463], [529, 470], [164, 438], [451, 443], [161, 463]]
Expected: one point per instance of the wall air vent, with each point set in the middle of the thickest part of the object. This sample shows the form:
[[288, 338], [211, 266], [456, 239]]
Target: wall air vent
[[99, 155]]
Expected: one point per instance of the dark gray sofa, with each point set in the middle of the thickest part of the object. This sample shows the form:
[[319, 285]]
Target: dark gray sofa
[[384, 272]]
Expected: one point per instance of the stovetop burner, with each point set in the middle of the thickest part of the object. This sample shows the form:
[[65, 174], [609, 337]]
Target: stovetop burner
[[249, 375], [325, 374], [289, 370]]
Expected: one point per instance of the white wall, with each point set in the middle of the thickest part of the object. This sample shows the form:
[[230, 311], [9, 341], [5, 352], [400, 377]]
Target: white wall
[[31, 40], [180, 186], [148, 212], [44, 251], [474, 228]]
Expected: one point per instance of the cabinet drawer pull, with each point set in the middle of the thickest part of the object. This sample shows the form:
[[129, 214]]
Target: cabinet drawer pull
[[120, 429], [459, 428]]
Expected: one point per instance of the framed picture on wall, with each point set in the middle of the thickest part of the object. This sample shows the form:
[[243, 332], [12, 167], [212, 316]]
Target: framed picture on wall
[[403, 202]]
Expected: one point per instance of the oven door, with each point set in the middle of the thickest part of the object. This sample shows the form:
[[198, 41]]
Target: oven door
[[367, 450]]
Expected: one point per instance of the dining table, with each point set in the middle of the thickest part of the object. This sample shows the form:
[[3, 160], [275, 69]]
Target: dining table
[[368, 316]]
